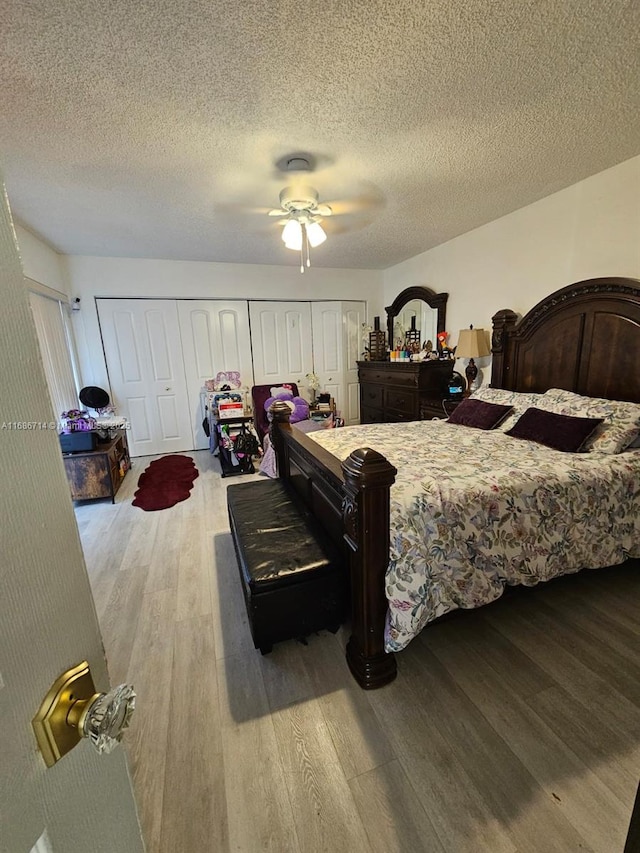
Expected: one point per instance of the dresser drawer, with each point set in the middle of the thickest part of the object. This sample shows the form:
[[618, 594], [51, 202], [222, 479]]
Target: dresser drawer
[[371, 416], [392, 416], [403, 376], [371, 395], [401, 402]]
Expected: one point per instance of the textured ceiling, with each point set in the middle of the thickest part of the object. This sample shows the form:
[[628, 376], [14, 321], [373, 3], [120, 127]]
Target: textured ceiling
[[151, 128]]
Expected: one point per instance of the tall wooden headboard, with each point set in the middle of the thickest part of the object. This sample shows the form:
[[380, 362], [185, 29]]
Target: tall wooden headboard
[[583, 338]]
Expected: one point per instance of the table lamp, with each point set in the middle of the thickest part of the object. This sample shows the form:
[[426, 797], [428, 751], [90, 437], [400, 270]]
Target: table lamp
[[472, 343]]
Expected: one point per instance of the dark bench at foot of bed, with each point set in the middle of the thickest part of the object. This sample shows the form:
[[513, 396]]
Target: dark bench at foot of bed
[[294, 580]]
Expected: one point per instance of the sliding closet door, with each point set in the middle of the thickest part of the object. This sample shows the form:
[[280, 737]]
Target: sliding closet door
[[141, 339], [281, 340], [215, 337]]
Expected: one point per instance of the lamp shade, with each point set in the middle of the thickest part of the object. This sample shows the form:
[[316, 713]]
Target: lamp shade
[[472, 343]]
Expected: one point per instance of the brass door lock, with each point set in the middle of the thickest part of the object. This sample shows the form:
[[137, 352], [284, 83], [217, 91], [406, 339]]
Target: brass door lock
[[72, 710]]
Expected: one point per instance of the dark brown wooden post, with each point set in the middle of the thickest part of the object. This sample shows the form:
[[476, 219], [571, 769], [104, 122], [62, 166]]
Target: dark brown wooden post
[[365, 512], [280, 414], [633, 837], [503, 322]]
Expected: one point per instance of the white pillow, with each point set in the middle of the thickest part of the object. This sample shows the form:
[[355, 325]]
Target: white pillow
[[621, 420], [520, 402]]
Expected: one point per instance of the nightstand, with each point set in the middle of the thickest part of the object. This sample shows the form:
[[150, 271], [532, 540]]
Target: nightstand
[[430, 409], [320, 412], [451, 404]]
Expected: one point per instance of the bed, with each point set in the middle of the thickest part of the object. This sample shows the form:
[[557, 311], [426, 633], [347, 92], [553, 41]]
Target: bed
[[435, 517]]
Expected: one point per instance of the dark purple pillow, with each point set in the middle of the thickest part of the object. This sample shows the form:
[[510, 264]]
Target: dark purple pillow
[[561, 432], [477, 413]]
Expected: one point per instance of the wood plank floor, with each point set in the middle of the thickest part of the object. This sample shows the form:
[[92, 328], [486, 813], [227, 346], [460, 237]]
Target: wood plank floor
[[512, 728]]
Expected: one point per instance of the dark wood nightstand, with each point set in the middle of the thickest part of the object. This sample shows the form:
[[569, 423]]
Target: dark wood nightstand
[[451, 404], [431, 409]]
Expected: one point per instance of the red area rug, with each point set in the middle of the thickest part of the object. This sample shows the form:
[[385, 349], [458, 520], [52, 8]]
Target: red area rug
[[165, 482]]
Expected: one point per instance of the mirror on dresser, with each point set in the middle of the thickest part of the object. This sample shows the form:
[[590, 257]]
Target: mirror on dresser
[[427, 307], [393, 391], [415, 315]]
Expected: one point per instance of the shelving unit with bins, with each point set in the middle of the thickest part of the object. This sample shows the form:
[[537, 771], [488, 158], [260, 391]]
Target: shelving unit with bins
[[228, 467]]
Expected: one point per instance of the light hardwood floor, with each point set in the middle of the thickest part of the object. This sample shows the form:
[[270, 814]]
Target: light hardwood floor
[[512, 728]]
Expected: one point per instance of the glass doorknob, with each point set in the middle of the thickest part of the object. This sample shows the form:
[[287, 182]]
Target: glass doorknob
[[106, 717], [72, 710]]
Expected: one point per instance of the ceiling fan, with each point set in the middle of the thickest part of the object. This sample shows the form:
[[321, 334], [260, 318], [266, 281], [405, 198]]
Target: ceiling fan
[[301, 214]]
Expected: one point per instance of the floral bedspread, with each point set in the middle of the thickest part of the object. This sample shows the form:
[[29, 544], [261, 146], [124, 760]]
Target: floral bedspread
[[473, 511]]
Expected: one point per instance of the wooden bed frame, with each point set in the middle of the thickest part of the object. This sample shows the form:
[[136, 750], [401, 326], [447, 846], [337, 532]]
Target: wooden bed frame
[[583, 338]]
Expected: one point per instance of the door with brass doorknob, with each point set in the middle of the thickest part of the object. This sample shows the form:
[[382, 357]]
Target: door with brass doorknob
[[48, 620]]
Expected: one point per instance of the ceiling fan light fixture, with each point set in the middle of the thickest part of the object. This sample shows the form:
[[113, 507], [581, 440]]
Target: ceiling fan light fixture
[[316, 234], [292, 235], [299, 205]]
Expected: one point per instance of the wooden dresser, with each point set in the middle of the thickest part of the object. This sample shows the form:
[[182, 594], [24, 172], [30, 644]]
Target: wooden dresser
[[404, 391]]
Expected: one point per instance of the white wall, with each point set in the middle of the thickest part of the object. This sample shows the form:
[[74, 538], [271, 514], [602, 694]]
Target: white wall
[[588, 230], [92, 277], [40, 262]]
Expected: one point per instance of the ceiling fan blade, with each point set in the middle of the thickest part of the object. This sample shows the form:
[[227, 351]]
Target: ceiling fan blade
[[368, 201], [323, 210], [342, 206], [277, 211], [235, 208], [338, 225]]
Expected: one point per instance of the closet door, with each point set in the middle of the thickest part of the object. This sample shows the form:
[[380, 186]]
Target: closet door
[[281, 341], [328, 351], [353, 316], [215, 337], [337, 345], [141, 339]]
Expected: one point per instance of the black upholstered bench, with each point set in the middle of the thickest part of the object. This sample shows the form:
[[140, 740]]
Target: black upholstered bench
[[294, 579]]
